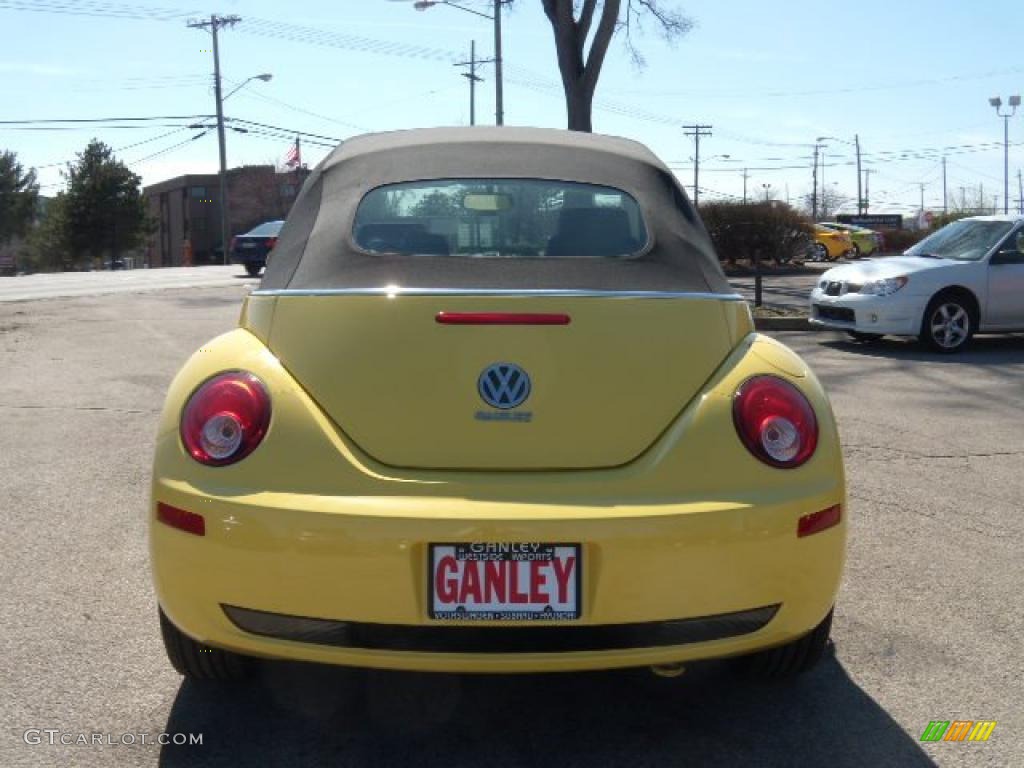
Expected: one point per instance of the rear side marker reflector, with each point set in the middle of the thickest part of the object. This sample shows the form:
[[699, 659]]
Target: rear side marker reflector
[[181, 519], [818, 521], [500, 318]]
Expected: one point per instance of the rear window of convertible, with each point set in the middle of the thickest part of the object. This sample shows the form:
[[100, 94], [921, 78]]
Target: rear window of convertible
[[495, 218]]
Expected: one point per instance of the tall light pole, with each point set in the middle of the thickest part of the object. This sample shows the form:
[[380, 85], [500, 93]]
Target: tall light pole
[[767, 188], [499, 102], [1013, 103]]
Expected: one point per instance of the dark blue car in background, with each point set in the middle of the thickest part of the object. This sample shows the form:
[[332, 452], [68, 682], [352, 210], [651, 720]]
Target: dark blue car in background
[[251, 249]]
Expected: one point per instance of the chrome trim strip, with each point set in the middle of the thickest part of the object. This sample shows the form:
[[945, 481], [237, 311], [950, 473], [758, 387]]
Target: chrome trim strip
[[557, 292]]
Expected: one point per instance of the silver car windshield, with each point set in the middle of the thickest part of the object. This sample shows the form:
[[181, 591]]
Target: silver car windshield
[[962, 240]]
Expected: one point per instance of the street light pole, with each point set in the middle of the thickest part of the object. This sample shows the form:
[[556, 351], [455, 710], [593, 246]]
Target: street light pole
[[1013, 103], [499, 101]]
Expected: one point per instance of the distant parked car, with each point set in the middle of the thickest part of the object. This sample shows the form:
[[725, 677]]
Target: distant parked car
[[252, 248], [829, 244], [866, 241], [965, 278]]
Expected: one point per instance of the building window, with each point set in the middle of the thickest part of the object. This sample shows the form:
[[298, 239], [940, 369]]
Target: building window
[[199, 192]]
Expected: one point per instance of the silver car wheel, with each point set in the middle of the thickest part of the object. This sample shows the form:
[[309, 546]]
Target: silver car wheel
[[950, 325]]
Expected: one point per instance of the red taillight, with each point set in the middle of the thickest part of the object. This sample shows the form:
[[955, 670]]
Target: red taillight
[[226, 418], [775, 421], [270, 243], [181, 519], [501, 318], [818, 521]]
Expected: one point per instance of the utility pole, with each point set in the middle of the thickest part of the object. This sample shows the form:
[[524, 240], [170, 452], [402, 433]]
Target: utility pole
[[499, 102], [696, 131], [747, 176], [860, 199], [473, 78], [213, 25], [867, 190], [945, 208], [1020, 192], [814, 185], [921, 185]]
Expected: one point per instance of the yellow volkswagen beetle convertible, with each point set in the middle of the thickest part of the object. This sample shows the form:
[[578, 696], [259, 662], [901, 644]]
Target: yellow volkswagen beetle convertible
[[495, 408]]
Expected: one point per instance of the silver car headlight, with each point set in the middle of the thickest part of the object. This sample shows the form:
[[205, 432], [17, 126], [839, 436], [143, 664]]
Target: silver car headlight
[[885, 287]]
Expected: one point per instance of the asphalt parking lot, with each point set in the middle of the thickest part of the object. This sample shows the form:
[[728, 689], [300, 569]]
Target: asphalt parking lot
[[928, 624]]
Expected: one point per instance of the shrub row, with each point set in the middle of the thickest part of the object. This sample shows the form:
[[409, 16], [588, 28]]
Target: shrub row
[[773, 232]]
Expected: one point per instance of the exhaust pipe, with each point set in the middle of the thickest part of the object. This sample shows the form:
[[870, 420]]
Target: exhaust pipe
[[668, 670]]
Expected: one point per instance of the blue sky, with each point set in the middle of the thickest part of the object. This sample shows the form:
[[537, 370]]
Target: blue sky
[[911, 78]]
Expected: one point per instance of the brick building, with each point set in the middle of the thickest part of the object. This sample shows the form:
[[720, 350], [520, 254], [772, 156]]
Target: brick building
[[187, 209]]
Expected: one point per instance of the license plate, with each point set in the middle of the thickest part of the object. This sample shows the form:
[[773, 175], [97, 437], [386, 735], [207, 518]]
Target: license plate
[[505, 582]]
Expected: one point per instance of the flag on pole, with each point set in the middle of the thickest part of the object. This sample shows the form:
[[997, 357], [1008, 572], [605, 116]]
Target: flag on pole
[[294, 157]]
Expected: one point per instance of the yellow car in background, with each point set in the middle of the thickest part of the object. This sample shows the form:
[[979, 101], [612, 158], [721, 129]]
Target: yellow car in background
[[495, 408], [865, 241], [830, 244]]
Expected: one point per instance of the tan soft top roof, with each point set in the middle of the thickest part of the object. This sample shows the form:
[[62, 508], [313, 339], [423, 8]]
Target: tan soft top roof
[[487, 138], [317, 250]]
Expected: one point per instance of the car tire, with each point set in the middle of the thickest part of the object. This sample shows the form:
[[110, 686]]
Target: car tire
[[949, 322], [253, 270], [819, 252], [794, 658], [201, 662], [864, 338], [856, 252]]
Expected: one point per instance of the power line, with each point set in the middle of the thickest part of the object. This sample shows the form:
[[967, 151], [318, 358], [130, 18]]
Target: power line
[[290, 131], [102, 119], [97, 9]]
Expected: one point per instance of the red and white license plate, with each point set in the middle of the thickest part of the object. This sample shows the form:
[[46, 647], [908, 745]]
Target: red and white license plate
[[505, 581]]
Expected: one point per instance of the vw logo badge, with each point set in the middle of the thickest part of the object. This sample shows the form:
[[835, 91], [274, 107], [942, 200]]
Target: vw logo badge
[[503, 385]]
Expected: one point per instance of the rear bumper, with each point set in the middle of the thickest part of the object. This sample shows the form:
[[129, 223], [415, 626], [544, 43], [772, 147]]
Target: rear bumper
[[345, 581], [249, 257]]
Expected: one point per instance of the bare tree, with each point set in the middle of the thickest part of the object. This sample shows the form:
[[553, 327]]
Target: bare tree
[[830, 201], [572, 22]]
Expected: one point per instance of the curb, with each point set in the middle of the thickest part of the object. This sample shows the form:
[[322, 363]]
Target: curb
[[785, 324]]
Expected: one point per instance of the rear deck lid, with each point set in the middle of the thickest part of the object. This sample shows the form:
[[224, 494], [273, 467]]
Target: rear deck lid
[[500, 382]]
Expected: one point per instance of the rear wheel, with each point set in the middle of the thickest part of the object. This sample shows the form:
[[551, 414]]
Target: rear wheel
[[948, 323], [201, 662], [819, 252], [864, 338], [253, 269], [793, 658]]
